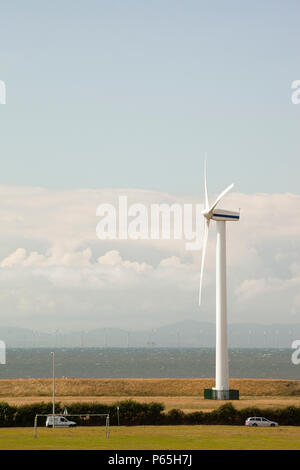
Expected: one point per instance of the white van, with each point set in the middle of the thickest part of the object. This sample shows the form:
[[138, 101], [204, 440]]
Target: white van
[[59, 422]]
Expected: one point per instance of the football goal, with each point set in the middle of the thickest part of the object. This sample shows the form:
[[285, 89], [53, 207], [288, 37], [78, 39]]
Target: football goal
[[63, 421]]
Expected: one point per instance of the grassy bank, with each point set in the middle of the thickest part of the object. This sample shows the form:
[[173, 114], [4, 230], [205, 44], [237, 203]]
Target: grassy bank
[[72, 387]]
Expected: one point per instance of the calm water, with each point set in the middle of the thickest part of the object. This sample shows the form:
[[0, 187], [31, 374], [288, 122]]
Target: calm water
[[152, 362]]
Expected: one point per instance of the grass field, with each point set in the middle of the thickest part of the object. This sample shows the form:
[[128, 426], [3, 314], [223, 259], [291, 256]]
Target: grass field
[[153, 437]]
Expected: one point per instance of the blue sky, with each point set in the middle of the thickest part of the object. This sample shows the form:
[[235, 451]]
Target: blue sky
[[132, 93]]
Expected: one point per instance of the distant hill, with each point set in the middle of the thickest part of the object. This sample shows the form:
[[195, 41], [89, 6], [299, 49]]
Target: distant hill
[[184, 334]]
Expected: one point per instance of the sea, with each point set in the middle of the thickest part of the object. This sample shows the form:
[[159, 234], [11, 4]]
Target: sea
[[146, 363]]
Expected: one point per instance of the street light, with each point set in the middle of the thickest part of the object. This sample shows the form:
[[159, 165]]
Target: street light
[[53, 388], [118, 415]]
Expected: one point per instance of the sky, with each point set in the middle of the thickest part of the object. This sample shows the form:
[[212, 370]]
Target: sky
[[112, 97]]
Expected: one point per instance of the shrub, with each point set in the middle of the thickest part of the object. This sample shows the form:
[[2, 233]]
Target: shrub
[[196, 417], [227, 414], [175, 417], [134, 413], [7, 413]]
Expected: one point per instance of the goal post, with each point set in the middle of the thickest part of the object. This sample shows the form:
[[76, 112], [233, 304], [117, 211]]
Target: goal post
[[81, 415]]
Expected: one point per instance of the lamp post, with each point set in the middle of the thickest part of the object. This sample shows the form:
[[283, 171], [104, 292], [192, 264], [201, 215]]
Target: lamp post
[[53, 388]]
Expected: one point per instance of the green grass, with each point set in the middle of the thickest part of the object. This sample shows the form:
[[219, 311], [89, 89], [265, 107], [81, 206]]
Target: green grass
[[153, 437]]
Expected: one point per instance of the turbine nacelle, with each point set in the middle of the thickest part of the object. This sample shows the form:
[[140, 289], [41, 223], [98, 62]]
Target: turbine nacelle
[[227, 216], [221, 214]]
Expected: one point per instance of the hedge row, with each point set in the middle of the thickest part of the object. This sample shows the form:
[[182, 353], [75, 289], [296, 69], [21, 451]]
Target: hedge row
[[133, 413], [130, 413]]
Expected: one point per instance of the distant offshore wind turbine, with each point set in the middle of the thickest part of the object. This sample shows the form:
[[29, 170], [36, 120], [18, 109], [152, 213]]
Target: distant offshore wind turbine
[[220, 216]]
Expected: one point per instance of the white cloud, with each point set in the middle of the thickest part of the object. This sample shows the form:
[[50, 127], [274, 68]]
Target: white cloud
[[15, 258], [20, 258], [173, 262], [113, 258], [55, 272]]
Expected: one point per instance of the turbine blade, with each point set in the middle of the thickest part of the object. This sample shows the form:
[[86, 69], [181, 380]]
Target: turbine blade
[[203, 256], [220, 197], [205, 187]]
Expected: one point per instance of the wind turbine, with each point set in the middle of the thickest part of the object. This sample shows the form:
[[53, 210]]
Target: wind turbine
[[221, 216]]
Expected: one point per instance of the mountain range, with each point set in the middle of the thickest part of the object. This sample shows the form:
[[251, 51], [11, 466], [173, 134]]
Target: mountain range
[[184, 334]]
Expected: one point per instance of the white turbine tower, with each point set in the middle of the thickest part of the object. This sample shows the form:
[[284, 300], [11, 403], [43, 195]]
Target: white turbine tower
[[221, 216]]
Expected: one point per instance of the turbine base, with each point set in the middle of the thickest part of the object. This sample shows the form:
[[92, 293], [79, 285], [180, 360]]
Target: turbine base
[[213, 394]]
